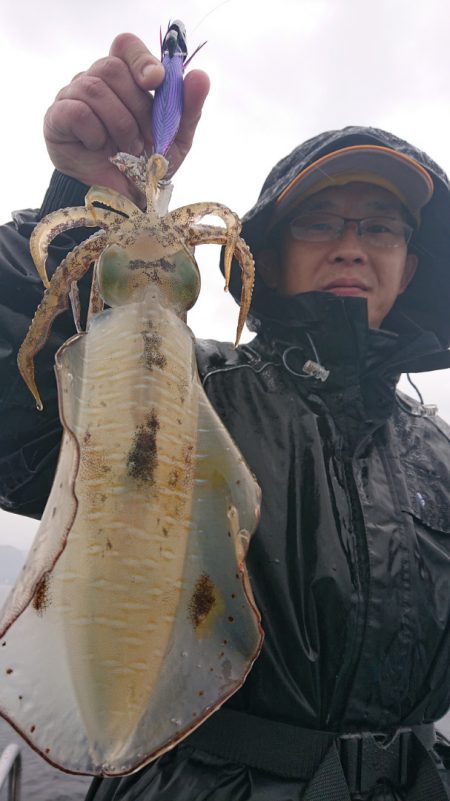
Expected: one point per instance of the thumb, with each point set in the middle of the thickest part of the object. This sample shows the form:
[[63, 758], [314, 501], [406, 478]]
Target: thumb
[[146, 69]]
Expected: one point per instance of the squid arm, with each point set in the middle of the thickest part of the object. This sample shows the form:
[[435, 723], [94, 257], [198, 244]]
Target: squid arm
[[58, 222], [55, 301], [196, 211], [214, 235]]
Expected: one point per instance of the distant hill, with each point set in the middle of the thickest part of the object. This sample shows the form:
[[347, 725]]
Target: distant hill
[[11, 561]]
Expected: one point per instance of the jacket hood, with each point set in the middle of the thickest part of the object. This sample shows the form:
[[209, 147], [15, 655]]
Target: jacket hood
[[426, 302]]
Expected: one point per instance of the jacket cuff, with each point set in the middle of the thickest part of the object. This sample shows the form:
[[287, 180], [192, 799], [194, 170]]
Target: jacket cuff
[[62, 192]]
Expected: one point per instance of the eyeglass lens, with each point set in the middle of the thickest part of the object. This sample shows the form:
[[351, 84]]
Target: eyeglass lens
[[377, 231]]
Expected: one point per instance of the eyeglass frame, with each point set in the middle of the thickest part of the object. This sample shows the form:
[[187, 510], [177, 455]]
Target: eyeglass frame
[[407, 228]]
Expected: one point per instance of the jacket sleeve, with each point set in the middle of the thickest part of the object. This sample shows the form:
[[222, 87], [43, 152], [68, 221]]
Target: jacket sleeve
[[30, 440]]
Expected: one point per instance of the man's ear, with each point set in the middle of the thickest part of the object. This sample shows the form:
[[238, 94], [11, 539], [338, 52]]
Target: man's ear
[[409, 271], [267, 265]]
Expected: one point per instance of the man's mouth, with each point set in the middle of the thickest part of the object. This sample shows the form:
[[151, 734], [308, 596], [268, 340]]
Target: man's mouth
[[346, 286]]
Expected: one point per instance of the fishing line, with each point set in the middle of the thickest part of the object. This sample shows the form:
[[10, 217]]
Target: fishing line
[[223, 3]]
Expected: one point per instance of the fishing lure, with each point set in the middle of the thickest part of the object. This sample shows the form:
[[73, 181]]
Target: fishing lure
[[133, 619], [168, 103]]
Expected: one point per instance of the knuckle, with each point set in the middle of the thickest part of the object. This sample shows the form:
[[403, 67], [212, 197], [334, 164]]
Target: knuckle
[[80, 113], [91, 86], [75, 77], [49, 119], [65, 91], [109, 69]]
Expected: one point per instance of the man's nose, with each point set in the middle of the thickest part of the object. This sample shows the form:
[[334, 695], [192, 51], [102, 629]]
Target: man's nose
[[349, 247]]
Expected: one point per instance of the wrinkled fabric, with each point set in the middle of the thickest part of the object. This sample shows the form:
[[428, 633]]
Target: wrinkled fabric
[[349, 565]]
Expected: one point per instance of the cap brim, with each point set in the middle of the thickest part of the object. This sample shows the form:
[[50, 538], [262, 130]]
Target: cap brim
[[394, 171]]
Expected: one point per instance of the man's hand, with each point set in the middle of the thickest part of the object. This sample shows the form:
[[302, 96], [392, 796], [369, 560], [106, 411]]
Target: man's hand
[[108, 108]]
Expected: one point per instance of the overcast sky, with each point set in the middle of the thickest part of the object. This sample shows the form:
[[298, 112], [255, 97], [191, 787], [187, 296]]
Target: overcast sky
[[281, 71]]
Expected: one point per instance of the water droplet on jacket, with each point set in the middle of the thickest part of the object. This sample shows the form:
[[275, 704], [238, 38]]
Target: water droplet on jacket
[[421, 499]]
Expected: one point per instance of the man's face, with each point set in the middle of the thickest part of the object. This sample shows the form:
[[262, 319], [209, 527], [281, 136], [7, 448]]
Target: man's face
[[347, 266]]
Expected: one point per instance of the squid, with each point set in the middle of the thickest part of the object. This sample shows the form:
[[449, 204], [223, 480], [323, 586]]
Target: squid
[[133, 619]]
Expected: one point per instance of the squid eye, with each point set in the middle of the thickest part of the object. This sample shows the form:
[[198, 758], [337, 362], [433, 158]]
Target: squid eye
[[123, 277], [113, 276]]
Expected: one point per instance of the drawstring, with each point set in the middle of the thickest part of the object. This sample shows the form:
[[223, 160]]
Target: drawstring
[[421, 409], [310, 369], [414, 386]]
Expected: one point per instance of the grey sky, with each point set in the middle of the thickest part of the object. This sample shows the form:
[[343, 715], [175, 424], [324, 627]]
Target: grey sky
[[281, 72]]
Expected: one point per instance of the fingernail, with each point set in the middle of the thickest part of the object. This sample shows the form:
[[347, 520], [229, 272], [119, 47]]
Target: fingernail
[[147, 70]]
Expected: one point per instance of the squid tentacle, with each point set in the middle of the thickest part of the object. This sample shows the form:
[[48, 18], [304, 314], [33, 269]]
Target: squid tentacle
[[214, 235], [55, 301], [157, 167], [196, 211], [58, 222], [118, 206]]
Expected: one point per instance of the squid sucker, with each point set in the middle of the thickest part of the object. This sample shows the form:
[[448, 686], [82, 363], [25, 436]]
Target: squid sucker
[[133, 619]]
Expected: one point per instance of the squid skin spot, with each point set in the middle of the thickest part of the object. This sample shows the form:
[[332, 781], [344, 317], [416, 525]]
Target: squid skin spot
[[188, 466], [47, 751], [108, 545], [9, 671], [142, 457], [153, 275], [174, 475], [233, 595], [152, 355], [53, 512], [32, 729], [203, 600], [225, 642], [231, 619], [20, 697], [41, 598], [3, 644], [200, 693], [137, 264], [167, 265]]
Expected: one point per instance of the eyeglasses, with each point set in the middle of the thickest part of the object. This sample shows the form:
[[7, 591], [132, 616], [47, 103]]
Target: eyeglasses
[[380, 232]]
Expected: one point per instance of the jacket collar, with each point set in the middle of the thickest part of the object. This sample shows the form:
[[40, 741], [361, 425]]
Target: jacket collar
[[356, 361]]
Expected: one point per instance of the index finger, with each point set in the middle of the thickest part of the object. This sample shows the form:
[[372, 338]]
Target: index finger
[[146, 69]]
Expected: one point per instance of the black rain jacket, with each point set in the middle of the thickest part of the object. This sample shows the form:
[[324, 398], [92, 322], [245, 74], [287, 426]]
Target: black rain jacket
[[350, 564]]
